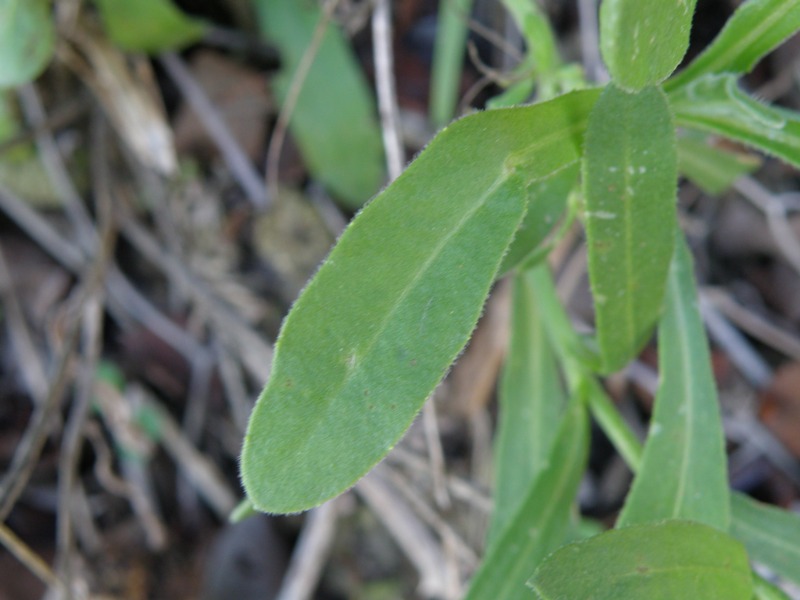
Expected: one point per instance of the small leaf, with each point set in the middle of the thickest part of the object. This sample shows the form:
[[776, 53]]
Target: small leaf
[[683, 474], [335, 119], [532, 400], [396, 301], [150, 26], [542, 521], [643, 41], [770, 535], [711, 168], [715, 104], [630, 173], [662, 561], [27, 38], [547, 201], [756, 28]]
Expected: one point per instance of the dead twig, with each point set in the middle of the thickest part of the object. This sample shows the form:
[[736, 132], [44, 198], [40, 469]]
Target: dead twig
[[217, 129]]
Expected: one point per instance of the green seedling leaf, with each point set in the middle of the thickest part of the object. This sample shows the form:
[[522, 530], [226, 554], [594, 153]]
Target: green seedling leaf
[[764, 590], [715, 104], [335, 119], [661, 561], [711, 168], [643, 41], [532, 400], [770, 535], [683, 474], [756, 28], [150, 26], [629, 173], [547, 202], [396, 301], [542, 521], [448, 59], [27, 39]]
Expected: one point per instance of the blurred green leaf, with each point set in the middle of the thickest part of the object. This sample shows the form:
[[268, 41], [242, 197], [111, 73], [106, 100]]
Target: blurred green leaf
[[710, 168], [629, 175], [448, 59], [27, 39], [683, 473], [547, 202], [662, 561], [335, 119], [375, 330], [148, 25], [715, 104], [756, 28], [532, 400], [542, 521], [643, 41], [770, 535]]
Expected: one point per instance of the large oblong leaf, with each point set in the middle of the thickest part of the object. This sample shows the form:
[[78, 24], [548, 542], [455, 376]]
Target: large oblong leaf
[[683, 474], [642, 41], [27, 38], [715, 104], [756, 28], [396, 301], [663, 561], [630, 172], [335, 120], [541, 523], [531, 399]]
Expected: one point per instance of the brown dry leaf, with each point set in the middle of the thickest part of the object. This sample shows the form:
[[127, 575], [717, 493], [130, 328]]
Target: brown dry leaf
[[126, 88], [240, 95], [780, 406]]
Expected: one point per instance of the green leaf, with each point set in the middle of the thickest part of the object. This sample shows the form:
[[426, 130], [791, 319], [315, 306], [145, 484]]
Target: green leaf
[[542, 521], [715, 104], [149, 25], [547, 201], [756, 28], [335, 119], [662, 561], [642, 41], [448, 59], [532, 400], [764, 590], [27, 38], [711, 168], [396, 301], [771, 535], [629, 173], [683, 474]]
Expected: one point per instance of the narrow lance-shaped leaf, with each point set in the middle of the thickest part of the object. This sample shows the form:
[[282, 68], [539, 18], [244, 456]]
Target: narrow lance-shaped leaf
[[642, 41], [683, 474], [448, 59], [756, 28], [711, 168], [27, 37], [335, 119], [542, 521], [630, 171], [770, 535], [532, 401], [395, 302], [657, 561], [715, 104]]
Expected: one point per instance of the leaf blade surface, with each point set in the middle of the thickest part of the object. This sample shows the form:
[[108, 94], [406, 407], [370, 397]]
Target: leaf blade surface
[[396, 301], [630, 172], [683, 472], [659, 561]]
